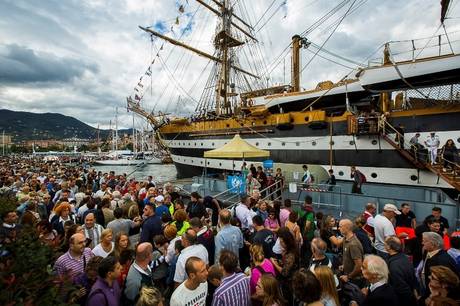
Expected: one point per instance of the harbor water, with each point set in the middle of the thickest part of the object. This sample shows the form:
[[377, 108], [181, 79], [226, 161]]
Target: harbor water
[[159, 172]]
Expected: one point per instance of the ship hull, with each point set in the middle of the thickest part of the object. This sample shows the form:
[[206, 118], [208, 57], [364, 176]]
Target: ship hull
[[301, 144]]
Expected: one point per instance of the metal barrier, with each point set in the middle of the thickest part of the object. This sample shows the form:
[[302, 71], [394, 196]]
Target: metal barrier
[[341, 203]]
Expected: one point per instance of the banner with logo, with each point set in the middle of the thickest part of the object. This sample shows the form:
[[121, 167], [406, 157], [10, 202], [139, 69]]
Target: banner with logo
[[237, 183]]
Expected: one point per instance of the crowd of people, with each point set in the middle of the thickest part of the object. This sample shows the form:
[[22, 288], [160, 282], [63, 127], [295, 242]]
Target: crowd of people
[[122, 241]]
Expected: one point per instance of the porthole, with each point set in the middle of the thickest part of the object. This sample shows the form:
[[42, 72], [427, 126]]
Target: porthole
[[212, 144], [313, 143], [307, 119], [283, 144], [195, 144], [192, 161], [269, 144], [208, 163], [257, 144], [413, 178], [341, 173], [201, 143], [374, 142], [242, 124], [183, 144], [352, 143], [374, 175], [291, 120], [228, 125], [331, 143], [220, 164], [297, 144], [265, 121], [201, 162], [189, 143], [458, 140]]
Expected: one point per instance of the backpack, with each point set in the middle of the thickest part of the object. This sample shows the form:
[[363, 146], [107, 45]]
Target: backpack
[[302, 221], [363, 177], [351, 292]]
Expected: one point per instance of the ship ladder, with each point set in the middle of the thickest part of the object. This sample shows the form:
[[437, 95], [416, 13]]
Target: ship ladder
[[450, 175]]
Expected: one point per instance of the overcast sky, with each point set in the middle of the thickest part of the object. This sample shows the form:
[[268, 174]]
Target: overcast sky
[[84, 57]]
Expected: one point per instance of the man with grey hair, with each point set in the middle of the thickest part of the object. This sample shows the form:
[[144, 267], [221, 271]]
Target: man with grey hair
[[380, 293], [434, 255], [402, 276]]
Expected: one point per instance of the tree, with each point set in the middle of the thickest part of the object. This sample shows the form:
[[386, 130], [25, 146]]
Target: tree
[[26, 277]]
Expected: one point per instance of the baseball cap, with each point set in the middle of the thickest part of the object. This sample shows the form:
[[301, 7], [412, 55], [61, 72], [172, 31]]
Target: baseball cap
[[391, 207]]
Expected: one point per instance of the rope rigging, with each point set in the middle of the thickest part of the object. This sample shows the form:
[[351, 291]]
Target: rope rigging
[[330, 35]]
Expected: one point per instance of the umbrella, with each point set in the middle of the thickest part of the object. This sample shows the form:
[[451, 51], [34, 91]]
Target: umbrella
[[237, 148]]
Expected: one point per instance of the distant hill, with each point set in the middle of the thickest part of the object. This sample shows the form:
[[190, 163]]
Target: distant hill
[[33, 126]]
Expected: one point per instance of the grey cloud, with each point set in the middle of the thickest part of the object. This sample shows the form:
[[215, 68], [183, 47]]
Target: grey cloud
[[23, 65]]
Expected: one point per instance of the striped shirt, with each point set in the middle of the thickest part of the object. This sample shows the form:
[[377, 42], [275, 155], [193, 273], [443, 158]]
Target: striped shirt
[[234, 290], [67, 265]]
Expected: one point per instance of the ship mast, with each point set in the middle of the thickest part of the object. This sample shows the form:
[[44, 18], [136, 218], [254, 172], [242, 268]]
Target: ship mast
[[224, 41]]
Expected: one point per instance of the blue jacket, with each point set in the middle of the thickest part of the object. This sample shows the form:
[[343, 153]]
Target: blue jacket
[[150, 228]]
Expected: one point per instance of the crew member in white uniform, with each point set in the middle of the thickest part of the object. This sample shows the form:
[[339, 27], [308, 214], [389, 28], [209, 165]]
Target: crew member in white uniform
[[432, 144]]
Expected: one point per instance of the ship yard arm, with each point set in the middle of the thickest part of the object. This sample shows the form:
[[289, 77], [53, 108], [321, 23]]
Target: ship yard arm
[[199, 52], [232, 23]]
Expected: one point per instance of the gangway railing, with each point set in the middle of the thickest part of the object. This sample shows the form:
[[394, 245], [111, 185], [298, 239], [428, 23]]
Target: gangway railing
[[414, 155]]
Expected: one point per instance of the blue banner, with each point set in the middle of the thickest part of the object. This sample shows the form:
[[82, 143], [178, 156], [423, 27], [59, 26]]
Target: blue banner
[[237, 183]]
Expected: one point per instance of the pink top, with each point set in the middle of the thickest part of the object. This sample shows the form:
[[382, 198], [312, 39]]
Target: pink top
[[271, 223], [267, 266], [284, 215]]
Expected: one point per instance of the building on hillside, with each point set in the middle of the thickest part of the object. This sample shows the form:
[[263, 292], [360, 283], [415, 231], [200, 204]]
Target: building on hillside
[[5, 142]]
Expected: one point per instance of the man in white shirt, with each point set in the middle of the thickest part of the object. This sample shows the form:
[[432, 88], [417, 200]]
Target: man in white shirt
[[195, 288], [244, 213], [383, 228], [190, 249], [101, 192]]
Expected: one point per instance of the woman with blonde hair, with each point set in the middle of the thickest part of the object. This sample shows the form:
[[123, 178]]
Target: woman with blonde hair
[[106, 246], [150, 296], [260, 265], [325, 276], [268, 291]]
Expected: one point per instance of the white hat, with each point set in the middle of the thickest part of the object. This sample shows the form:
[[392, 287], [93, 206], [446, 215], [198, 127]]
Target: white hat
[[391, 207], [159, 198]]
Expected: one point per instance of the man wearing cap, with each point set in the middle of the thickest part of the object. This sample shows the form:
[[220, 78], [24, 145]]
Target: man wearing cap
[[161, 207], [383, 228], [433, 144]]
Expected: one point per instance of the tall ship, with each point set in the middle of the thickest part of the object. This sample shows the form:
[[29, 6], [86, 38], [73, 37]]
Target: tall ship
[[366, 119]]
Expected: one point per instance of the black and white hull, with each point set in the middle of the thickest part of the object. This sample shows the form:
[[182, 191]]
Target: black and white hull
[[376, 158]]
